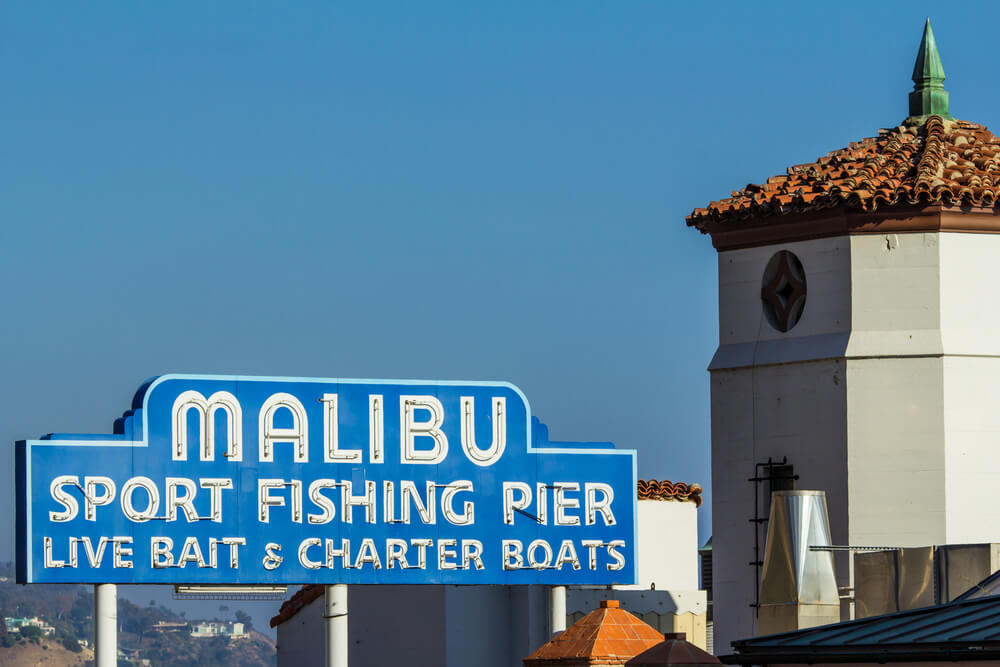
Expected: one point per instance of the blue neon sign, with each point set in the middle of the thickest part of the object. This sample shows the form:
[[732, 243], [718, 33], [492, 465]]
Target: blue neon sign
[[244, 480]]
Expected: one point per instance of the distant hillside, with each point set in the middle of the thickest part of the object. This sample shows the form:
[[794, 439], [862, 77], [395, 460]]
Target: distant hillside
[[69, 609], [44, 652]]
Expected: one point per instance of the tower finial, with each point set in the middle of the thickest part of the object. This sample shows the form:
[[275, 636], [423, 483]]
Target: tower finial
[[929, 98]]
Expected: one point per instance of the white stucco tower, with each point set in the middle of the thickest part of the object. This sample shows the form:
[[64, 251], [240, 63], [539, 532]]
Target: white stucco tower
[[859, 336]]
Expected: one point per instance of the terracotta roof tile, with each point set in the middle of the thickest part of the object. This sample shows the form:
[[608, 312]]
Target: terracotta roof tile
[[940, 161], [666, 490], [608, 635], [292, 605]]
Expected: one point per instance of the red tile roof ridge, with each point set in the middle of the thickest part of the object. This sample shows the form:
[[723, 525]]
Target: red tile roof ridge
[[652, 489], [294, 604], [939, 161]]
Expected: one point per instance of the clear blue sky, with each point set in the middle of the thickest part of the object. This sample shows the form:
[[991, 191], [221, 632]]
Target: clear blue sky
[[425, 190]]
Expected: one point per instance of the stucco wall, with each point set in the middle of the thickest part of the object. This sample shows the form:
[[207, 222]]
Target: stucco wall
[[970, 332], [425, 626], [774, 394], [794, 410], [896, 482], [389, 624], [667, 547], [493, 625], [880, 396], [301, 638], [972, 449]]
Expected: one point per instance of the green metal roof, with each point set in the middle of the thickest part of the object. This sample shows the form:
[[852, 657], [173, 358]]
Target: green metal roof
[[966, 630]]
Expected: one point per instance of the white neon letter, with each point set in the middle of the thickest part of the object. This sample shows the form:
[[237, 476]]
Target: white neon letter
[[215, 485], [161, 552], [408, 493], [489, 456], [220, 400], [120, 551], [331, 450], [567, 555], [562, 503], [70, 506], [591, 546], [512, 558], [410, 429], [613, 547], [376, 429], [297, 435], [234, 544], [468, 515], [191, 553], [348, 501], [444, 554], [510, 505], [185, 501], [472, 552], [368, 554], [329, 509], [264, 499], [533, 551], [395, 552], [91, 500], [147, 485], [304, 558], [603, 506], [49, 561]]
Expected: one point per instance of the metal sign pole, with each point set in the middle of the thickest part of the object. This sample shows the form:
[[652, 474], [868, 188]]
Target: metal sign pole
[[335, 618], [105, 625], [557, 609]]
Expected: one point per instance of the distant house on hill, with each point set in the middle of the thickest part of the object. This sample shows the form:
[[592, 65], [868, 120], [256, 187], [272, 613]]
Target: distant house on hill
[[170, 626], [15, 624], [233, 630]]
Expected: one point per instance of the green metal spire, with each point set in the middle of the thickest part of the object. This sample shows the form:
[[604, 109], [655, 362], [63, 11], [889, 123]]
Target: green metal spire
[[929, 98]]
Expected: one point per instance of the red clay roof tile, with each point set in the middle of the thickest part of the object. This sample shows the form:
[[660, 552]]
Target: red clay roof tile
[[951, 162], [666, 490]]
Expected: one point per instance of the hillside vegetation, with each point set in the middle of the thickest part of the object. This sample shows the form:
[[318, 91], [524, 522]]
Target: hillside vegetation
[[44, 652], [69, 609]]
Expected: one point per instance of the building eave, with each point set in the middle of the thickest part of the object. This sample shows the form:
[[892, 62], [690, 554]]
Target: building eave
[[755, 232]]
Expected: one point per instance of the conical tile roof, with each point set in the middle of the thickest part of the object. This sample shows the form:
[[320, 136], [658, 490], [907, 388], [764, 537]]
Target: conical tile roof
[[608, 635]]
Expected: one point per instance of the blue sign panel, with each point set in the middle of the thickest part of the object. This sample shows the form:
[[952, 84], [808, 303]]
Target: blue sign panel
[[242, 480]]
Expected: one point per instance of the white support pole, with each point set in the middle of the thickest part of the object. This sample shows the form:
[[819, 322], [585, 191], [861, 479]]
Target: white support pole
[[105, 625], [557, 609], [335, 618]]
